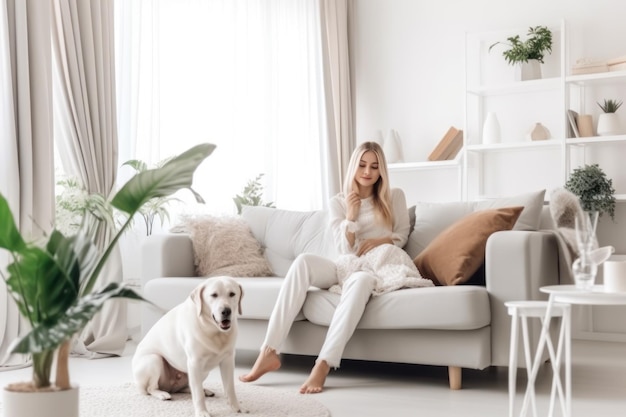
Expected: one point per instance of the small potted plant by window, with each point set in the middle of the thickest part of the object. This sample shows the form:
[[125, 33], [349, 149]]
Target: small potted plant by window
[[527, 55], [608, 122]]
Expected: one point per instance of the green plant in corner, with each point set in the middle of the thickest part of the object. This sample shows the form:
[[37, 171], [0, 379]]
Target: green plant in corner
[[53, 282], [536, 46], [251, 195], [593, 188], [610, 106], [157, 206]]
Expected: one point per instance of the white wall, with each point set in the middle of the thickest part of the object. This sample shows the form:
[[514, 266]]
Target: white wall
[[409, 57]]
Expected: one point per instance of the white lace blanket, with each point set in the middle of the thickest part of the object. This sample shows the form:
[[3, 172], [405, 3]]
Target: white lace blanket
[[392, 266]]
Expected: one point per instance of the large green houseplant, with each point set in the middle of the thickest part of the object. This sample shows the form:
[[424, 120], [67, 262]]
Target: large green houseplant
[[53, 282]]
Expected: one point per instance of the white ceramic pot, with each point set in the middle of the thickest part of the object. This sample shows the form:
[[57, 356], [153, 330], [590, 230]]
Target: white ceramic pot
[[614, 276], [608, 124], [391, 147], [491, 129], [37, 404], [530, 70]]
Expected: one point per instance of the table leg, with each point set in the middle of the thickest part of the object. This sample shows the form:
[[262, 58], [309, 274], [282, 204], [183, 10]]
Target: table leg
[[545, 329], [513, 361]]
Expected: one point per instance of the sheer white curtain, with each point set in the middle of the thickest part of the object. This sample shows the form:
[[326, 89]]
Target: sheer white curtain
[[245, 75]]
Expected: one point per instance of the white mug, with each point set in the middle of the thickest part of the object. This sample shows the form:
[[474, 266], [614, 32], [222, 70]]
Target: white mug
[[614, 276]]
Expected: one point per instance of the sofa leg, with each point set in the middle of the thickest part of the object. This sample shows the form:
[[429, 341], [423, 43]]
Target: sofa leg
[[454, 376]]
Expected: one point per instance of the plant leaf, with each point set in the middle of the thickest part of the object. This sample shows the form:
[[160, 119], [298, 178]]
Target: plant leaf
[[161, 182], [10, 238], [47, 336]]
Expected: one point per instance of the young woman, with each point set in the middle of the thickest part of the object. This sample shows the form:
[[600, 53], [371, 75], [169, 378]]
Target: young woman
[[366, 216]]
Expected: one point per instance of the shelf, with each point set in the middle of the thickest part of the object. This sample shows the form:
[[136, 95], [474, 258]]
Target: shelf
[[409, 166], [593, 140], [597, 78], [496, 147], [531, 86]]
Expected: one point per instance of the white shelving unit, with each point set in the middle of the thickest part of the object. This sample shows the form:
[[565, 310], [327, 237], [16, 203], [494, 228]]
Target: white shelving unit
[[518, 164]]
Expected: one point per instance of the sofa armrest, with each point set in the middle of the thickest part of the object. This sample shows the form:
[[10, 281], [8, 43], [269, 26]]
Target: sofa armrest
[[517, 264], [167, 255]]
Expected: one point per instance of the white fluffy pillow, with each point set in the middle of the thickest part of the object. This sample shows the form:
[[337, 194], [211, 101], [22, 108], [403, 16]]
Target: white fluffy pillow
[[225, 246]]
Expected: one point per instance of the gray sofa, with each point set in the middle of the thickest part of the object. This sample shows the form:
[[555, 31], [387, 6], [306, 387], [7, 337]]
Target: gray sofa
[[463, 326]]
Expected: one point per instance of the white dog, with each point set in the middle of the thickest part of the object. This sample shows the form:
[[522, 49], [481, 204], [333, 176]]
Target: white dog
[[180, 350]]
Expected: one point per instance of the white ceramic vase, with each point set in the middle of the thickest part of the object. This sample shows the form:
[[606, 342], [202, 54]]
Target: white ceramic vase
[[391, 147], [538, 132], [530, 70], [491, 129], [36, 404], [608, 124]]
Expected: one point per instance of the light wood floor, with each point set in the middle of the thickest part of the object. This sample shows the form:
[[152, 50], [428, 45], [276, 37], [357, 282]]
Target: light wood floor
[[375, 389]]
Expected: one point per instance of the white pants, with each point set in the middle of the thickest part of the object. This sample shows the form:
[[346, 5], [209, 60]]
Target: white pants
[[311, 270]]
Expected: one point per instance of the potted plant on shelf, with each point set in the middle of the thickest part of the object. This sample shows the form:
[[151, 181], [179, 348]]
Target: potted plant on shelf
[[608, 122], [527, 56], [593, 188], [53, 284]]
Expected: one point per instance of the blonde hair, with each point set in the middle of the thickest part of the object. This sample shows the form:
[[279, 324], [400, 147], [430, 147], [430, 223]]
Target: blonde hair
[[382, 191]]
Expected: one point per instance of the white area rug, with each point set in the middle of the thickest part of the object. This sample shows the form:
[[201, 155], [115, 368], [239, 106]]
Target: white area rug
[[125, 400]]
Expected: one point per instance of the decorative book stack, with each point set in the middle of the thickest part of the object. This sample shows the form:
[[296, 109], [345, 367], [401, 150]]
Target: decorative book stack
[[617, 64], [449, 146]]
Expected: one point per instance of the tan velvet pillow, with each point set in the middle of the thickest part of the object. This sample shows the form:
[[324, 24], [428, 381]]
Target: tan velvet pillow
[[457, 252]]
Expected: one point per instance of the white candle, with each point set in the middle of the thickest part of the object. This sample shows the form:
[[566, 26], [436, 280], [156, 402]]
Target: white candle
[[615, 276]]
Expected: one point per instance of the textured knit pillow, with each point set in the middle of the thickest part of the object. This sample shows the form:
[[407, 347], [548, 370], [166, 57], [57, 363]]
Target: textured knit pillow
[[457, 252], [225, 246]]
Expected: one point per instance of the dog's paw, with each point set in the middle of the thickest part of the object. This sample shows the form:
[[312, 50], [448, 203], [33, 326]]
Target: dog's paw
[[208, 393], [203, 413], [161, 395]]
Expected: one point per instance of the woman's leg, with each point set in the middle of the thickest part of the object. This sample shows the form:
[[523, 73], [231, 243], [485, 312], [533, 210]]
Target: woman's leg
[[356, 292], [307, 270]]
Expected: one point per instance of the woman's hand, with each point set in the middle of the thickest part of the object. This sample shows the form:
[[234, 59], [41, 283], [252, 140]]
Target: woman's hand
[[369, 244], [353, 206]]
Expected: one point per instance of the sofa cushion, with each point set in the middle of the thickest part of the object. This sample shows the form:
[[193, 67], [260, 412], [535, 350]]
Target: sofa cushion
[[443, 308], [284, 234], [457, 253], [432, 218]]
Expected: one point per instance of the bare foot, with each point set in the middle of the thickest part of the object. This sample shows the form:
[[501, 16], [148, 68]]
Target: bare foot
[[267, 361], [317, 378]]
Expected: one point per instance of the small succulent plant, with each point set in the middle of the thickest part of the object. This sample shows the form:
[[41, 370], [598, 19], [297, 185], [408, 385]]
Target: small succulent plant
[[610, 106]]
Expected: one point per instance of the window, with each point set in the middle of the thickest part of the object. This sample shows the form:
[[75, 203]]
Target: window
[[246, 76]]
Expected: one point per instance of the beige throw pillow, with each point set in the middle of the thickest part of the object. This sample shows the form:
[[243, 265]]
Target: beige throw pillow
[[457, 252], [225, 246]]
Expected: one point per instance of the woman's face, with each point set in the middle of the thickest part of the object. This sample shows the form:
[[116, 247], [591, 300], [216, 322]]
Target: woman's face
[[367, 172]]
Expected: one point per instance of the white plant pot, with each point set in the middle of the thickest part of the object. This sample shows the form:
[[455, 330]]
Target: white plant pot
[[530, 70], [36, 404], [608, 124]]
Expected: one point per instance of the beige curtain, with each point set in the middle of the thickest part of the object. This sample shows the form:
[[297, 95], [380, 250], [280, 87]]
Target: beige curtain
[[335, 21], [25, 138], [86, 134]]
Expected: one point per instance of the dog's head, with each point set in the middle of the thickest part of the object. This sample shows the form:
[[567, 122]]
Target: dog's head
[[219, 297]]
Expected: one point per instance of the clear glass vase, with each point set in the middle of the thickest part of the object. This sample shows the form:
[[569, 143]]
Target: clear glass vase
[[584, 268]]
